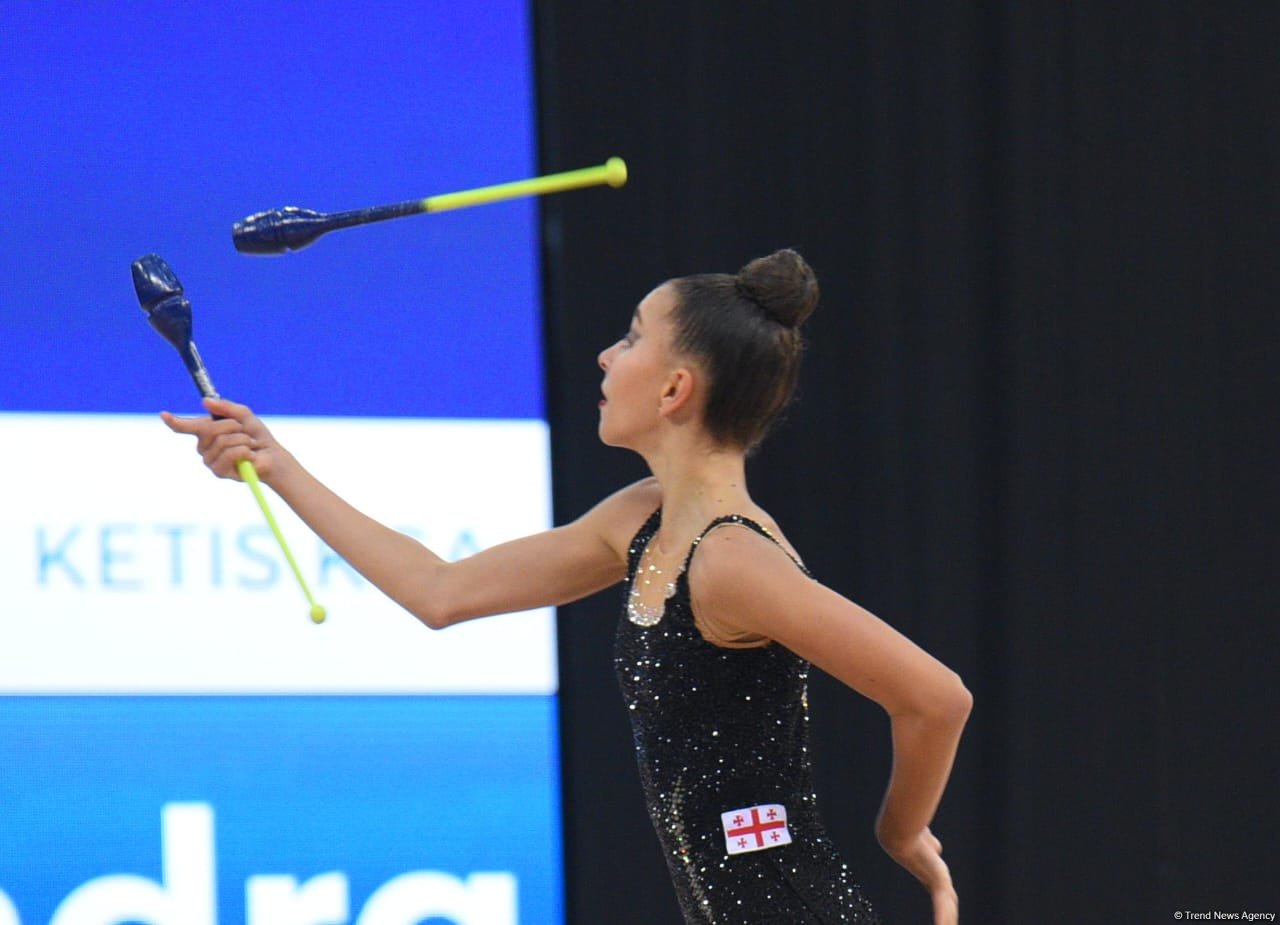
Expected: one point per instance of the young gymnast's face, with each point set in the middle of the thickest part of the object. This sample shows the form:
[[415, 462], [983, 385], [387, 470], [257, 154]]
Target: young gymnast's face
[[636, 371]]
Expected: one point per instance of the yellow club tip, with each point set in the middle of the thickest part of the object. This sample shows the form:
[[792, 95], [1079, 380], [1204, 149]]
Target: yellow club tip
[[317, 613], [615, 172]]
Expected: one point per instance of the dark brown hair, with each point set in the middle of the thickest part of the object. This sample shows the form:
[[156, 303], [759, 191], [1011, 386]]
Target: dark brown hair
[[745, 331]]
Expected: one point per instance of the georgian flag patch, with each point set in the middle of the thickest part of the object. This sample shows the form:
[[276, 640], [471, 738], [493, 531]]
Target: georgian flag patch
[[755, 828]]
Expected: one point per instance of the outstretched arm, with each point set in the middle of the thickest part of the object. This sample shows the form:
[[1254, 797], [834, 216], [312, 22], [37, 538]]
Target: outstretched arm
[[548, 568], [744, 585]]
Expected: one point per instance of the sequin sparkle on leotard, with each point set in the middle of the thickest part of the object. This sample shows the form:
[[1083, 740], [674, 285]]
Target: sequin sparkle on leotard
[[718, 729]]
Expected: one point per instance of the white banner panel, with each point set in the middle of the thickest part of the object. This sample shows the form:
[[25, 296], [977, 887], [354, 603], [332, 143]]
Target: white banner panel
[[171, 582]]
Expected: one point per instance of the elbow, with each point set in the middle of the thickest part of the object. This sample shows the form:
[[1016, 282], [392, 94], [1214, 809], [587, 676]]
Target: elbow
[[430, 600], [432, 619], [957, 702], [944, 701], [967, 701], [434, 615]]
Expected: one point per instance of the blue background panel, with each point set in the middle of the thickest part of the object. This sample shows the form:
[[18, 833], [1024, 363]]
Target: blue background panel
[[152, 127], [373, 787]]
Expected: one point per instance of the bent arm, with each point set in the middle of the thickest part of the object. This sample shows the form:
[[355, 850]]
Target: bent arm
[[743, 584], [548, 568]]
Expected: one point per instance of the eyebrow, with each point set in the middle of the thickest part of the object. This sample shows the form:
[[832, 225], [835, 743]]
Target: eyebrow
[[635, 316]]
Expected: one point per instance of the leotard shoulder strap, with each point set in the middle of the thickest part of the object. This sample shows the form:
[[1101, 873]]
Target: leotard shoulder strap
[[739, 520]]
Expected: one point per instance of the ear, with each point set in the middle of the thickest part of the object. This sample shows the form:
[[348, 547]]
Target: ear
[[678, 392]]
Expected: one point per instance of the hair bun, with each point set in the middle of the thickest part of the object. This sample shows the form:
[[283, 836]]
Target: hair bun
[[782, 284]]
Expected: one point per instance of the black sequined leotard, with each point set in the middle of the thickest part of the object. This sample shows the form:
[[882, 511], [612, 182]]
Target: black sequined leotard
[[725, 731]]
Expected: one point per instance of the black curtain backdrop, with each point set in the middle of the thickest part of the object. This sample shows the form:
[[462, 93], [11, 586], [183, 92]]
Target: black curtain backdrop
[[1036, 428]]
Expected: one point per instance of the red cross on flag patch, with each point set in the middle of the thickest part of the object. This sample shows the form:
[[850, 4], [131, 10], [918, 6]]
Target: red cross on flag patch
[[755, 828]]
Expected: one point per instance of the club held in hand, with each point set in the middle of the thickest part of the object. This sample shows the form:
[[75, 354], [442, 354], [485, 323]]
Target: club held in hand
[[169, 312]]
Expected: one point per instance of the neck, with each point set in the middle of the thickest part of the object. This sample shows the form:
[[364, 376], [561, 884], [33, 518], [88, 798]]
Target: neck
[[698, 485]]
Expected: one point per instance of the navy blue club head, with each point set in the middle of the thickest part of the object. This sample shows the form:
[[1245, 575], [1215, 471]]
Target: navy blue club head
[[161, 297], [280, 230]]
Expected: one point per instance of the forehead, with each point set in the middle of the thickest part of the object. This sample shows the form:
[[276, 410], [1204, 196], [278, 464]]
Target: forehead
[[656, 305]]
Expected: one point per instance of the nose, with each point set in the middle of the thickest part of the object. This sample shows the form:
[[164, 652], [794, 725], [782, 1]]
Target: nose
[[606, 355]]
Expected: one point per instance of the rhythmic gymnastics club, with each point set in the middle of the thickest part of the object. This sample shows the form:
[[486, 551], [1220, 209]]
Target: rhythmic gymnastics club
[[161, 297], [292, 228]]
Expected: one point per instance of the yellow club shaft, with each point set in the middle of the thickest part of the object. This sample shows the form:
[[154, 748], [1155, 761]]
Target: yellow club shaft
[[250, 476], [612, 172]]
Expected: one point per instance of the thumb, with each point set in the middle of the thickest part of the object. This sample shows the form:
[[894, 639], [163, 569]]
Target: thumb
[[221, 407]]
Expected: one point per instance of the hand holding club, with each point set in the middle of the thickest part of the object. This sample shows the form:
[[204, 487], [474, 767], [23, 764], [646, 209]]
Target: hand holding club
[[168, 311]]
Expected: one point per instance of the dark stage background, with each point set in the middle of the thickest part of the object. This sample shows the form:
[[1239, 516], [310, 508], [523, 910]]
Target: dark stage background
[[1037, 423]]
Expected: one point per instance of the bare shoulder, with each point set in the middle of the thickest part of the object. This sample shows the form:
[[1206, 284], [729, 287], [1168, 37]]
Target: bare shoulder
[[737, 572], [733, 555], [731, 546]]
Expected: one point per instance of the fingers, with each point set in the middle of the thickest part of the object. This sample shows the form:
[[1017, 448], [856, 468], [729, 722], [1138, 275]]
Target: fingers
[[223, 457], [946, 908], [922, 857], [234, 434], [205, 430], [217, 407], [182, 425], [244, 416], [223, 444], [228, 409], [946, 904]]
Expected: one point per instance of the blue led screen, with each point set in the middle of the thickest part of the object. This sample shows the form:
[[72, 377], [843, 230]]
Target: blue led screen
[[178, 744], [139, 128]]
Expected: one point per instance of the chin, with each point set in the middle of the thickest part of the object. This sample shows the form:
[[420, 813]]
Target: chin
[[611, 439]]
